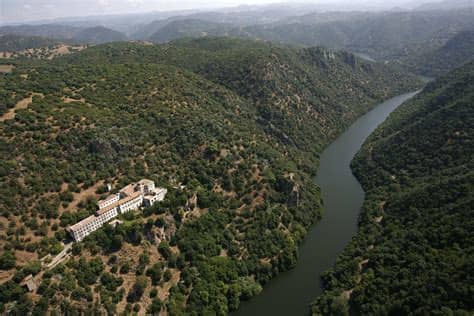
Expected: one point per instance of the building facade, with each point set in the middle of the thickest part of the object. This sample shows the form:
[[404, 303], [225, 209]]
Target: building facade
[[129, 198]]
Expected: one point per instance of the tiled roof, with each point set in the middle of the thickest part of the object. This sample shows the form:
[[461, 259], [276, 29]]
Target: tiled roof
[[82, 223], [129, 189], [146, 181], [110, 197], [132, 196]]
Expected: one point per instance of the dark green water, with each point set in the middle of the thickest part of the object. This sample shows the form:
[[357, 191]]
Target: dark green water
[[290, 293]]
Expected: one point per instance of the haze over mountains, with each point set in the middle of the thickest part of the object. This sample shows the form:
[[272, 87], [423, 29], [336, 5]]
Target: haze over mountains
[[396, 36]]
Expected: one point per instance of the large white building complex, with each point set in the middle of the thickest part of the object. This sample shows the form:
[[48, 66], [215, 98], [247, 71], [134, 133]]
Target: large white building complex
[[131, 197]]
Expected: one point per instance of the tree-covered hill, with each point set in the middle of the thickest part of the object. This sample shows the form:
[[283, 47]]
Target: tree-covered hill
[[189, 28], [219, 122], [71, 34], [53, 31], [415, 39], [456, 52], [290, 88], [15, 43], [97, 35], [13, 47], [414, 252], [383, 35]]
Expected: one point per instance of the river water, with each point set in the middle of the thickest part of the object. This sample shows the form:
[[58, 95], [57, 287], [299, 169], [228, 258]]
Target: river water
[[291, 292]]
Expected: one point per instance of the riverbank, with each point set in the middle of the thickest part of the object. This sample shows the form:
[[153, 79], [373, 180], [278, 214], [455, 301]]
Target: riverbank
[[291, 292], [413, 250]]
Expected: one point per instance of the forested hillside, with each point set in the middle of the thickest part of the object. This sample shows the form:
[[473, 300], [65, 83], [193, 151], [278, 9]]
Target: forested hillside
[[13, 47], [189, 28], [429, 42], [456, 52], [414, 252], [70, 34], [409, 38], [231, 128], [53, 31], [98, 35], [290, 88], [15, 43]]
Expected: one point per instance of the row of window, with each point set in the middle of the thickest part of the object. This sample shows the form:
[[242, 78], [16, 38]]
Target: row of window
[[99, 221]]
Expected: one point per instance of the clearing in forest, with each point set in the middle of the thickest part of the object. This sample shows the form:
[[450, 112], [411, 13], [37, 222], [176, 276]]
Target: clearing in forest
[[22, 104], [6, 68]]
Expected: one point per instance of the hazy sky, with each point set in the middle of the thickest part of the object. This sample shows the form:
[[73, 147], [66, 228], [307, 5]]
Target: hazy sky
[[12, 11], [22, 10]]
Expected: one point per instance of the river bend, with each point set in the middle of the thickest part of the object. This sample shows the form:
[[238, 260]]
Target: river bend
[[291, 292]]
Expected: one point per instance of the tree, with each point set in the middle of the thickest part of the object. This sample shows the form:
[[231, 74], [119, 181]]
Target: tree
[[7, 260], [137, 289], [164, 249], [155, 273], [155, 306]]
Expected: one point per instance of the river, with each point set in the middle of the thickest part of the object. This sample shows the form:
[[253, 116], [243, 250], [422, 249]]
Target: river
[[291, 292]]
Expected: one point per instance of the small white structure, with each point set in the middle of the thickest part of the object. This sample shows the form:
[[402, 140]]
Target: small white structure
[[131, 197], [157, 195], [115, 222], [30, 283]]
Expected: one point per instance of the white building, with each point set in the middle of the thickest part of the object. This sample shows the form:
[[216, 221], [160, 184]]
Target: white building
[[146, 186], [111, 199], [132, 202], [157, 195], [131, 197]]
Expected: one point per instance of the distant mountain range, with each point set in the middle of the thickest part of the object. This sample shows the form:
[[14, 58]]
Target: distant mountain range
[[95, 34], [99, 34], [457, 51], [189, 28], [446, 5], [15, 43], [407, 38]]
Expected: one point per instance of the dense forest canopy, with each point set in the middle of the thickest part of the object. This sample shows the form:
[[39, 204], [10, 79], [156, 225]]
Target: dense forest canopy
[[231, 128], [414, 252]]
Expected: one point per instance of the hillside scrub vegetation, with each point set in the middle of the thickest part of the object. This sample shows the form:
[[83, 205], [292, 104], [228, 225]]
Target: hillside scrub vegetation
[[233, 129], [414, 252]]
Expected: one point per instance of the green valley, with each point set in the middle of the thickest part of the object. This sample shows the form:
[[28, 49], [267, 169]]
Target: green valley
[[232, 128]]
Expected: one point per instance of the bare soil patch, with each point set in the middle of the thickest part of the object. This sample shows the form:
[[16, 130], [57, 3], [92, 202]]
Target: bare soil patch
[[78, 197], [71, 100], [22, 104], [6, 68], [5, 55]]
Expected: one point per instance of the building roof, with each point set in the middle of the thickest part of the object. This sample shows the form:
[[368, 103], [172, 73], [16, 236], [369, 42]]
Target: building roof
[[107, 208], [110, 197], [134, 195], [146, 182], [157, 191], [130, 197], [128, 189], [30, 283], [82, 223]]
